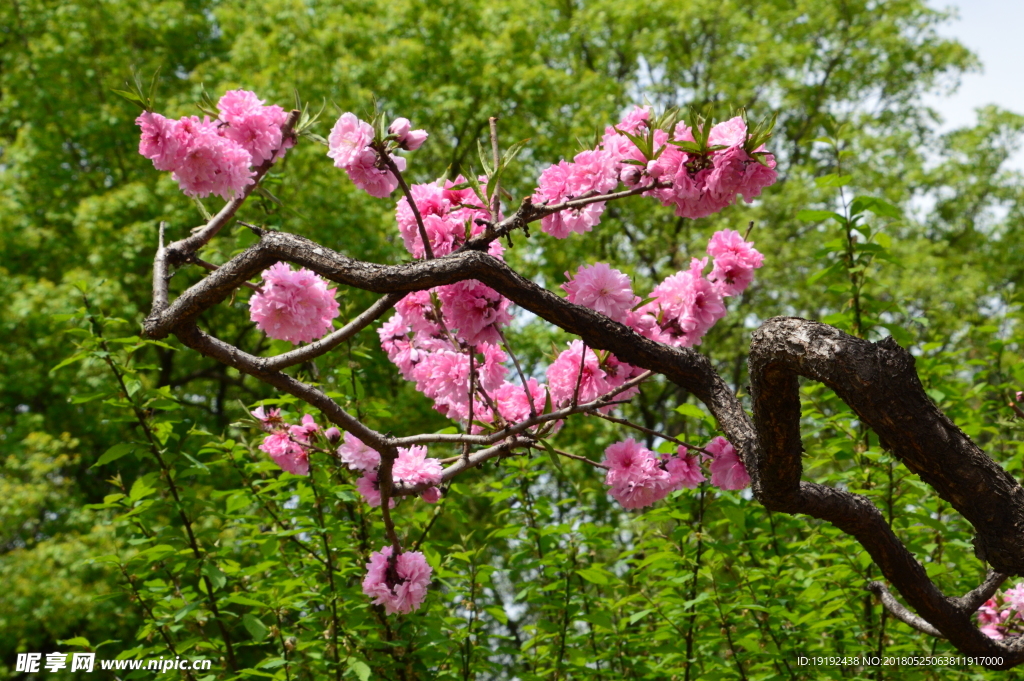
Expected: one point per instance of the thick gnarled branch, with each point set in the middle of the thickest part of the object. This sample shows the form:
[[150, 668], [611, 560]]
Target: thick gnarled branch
[[877, 380]]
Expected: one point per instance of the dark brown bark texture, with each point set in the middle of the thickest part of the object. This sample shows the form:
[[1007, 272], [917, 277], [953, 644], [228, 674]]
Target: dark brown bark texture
[[877, 380]]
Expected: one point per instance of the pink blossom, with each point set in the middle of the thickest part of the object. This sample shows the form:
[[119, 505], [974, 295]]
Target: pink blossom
[[211, 164], [375, 181], [512, 401], [730, 133], [492, 374], [413, 467], [564, 373], [348, 138], [305, 432], [1020, 395], [638, 117], [418, 312], [289, 455], [603, 289], [684, 470], [368, 487], [475, 310], [270, 419], [293, 306], [407, 139], [431, 495], [400, 587], [684, 307], [357, 455], [592, 170], [730, 242], [635, 478], [727, 470], [160, 142], [257, 128]]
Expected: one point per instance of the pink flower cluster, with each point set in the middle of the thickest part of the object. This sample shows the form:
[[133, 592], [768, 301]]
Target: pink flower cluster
[[349, 144], [697, 185], [412, 467], [400, 585], [685, 306], [215, 157], [1002, 616], [449, 216], [293, 306], [287, 444], [638, 478]]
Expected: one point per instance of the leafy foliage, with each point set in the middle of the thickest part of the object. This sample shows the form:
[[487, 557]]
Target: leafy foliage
[[539, 575]]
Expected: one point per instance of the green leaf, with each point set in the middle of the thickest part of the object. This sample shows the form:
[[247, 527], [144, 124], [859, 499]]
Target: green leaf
[[76, 641], [359, 668], [217, 578], [70, 360], [833, 180], [594, 575], [254, 626], [552, 453], [239, 599], [692, 410], [140, 489], [637, 616], [114, 453]]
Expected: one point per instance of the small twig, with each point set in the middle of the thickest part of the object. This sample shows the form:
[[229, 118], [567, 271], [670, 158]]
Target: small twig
[[579, 378], [642, 429], [496, 197], [160, 273], [335, 338], [519, 370], [472, 398], [750, 228], [393, 167], [577, 457], [897, 610], [975, 598], [386, 481]]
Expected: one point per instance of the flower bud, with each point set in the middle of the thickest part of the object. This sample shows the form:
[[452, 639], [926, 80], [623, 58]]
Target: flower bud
[[414, 140], [333, 435], [400, 128], [431, 495]]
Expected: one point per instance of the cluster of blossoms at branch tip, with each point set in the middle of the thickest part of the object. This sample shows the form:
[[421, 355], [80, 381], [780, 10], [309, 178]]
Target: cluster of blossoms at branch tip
[[293, 306], [287, 444], [400, 585], [350, 145], [216, 157], [412, 468], [638, 477], [682, 308], [1002, 616], [696, 184]]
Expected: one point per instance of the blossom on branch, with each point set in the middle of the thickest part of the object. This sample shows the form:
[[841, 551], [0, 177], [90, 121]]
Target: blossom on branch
[[289, 455], [602, 289], [727, 469], [400, 585], [293, 306], [635, 478], [255, 127], [216, 157]]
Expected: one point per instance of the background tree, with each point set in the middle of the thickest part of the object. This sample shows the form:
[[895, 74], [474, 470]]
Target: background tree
[[76, 194]]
